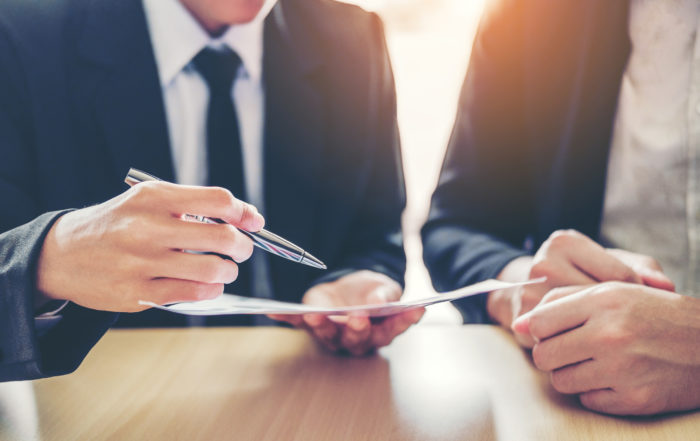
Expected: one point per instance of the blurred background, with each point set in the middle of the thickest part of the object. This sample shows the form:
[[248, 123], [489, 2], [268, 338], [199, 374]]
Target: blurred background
[[429, 43]]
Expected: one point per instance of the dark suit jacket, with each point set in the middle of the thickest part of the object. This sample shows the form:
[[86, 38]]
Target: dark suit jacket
[[529, 150], [80, 102]]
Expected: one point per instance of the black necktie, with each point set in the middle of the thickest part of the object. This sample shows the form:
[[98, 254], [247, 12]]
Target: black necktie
[[219, 69]]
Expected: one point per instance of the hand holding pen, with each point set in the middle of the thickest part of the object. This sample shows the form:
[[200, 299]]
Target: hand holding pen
[[129, 248]]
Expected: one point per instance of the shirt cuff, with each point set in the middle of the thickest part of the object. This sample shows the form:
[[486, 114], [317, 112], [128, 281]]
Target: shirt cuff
[[50, 309]]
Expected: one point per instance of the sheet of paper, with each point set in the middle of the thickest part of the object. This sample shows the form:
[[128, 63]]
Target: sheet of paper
[[230, 304]]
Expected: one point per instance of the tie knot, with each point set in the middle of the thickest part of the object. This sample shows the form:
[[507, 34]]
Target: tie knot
[[217, 67]]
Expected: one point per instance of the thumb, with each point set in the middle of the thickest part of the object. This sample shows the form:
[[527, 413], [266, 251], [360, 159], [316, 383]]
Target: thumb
[[521, 325], [521, 331]]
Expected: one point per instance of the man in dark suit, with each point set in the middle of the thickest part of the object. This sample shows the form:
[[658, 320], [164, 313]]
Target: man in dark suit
[[305, 99], [568, 141]]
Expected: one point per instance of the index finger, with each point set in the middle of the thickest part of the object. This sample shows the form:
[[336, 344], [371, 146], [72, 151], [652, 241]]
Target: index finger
[[595, 261], [550, 319], [214, 202]]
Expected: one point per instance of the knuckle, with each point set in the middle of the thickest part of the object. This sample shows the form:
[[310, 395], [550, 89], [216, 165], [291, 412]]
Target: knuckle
[[222, 196], [562, 238], [247, 212], [651, 263], [145, 192], [616, 337], [542, 268]]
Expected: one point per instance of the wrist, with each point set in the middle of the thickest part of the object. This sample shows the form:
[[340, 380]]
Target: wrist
[[46, 278], [689, 318], [499, 303]]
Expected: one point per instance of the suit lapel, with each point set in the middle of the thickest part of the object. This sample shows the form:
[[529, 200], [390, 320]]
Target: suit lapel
[[125, 96], [294, 134]]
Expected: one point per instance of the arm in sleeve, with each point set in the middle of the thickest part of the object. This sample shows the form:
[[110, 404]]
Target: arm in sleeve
[[29, 351], [481, 211]]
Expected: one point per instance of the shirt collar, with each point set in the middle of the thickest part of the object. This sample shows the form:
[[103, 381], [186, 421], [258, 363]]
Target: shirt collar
[[177, 37]]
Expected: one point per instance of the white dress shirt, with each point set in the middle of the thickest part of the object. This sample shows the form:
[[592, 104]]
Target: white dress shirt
[[652, 201], [177, 38]]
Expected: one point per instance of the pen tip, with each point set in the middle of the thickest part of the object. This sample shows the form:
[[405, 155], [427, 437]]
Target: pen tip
[[310, 260]]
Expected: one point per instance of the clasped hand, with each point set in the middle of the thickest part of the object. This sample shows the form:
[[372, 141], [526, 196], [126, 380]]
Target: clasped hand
[[569, 258], [607, 326], [625, 349]]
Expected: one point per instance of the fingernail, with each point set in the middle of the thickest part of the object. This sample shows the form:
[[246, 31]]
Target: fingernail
[[521, 325]]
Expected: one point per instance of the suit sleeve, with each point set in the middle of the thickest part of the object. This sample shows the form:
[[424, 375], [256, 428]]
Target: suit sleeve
[[376, 241], [29, 347], [481, 210]]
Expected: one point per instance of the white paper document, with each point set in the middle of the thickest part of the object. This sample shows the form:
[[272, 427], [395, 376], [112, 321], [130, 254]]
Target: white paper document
[[229, 304]]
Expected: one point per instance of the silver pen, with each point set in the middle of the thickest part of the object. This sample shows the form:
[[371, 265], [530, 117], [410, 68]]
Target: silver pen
[[263, 239]]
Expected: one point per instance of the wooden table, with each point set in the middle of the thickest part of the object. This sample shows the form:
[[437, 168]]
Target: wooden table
[[433, 383]]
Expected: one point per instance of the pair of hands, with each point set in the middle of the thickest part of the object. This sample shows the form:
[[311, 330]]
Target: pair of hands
[[357, 335], [626, 346], [569, 258], [130, 248], [625, 349]]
